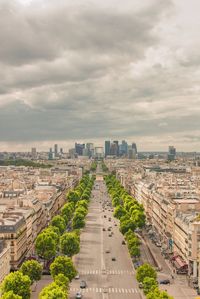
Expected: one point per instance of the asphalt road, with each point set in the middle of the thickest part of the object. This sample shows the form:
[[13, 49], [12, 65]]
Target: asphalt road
[[105, 278]]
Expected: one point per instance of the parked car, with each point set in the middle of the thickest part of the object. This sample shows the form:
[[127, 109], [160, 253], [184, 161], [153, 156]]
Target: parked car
[[140, 285], [114, 259], [110, 235], [77, 276], [158, 244], [83, 284], [123, 242], [164, 281], [78, 295], [104, 229], [107, 251], [137, 264]]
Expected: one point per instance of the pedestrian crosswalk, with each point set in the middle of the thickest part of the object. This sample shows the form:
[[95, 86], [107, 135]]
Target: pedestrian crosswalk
[[106, 290], [107, 271]]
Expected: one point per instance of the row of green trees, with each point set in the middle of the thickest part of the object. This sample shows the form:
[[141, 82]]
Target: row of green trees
[[93, 166], [133, 243], [126, 208], [104, 167], [22, 162], [147, 276], [17, 285], [54, 240]]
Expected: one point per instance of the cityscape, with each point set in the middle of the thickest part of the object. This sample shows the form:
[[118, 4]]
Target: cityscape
[[99, 149]]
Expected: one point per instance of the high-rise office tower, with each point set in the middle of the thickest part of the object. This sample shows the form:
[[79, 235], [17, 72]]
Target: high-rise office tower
[[113, 149], [107, 148], [134, 147], [33, 153], [171, 153], [50, 155], [79, 148], [117, 146], [55, 150], [123, 148]]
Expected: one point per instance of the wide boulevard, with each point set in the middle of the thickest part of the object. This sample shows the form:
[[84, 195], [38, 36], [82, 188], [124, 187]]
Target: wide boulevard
[[105, 278]]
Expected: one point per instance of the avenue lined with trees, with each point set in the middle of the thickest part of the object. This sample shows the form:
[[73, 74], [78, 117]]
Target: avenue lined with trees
[[131, 216], [56, 244]]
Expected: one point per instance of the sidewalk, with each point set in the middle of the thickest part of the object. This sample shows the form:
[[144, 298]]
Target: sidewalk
[[178, 288]]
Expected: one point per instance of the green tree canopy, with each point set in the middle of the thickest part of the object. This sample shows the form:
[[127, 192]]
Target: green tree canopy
[[126, 225], [46, 246], [145, 271], [69, 244], [149, 285], [10, 295], [32, 269], [18, 283], [59, 222], [134, 251], [158, 294], [119, 212], [63, 265], [78, 221], [62, 281], [53, 291]]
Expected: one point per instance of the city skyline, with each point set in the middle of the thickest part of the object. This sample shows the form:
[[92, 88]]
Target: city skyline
[[128, 70]]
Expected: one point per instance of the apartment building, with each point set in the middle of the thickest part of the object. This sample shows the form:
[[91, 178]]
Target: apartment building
[[4, 259]]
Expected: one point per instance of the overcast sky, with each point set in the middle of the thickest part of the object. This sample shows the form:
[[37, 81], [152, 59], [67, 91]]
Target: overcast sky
[[88, 70]]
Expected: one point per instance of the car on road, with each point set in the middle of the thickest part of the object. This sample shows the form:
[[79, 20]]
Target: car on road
[[113, 259], [104, 229], [137, 264], [78, 295], [77, 276], [164, 281], [107, 251], [123, 242], [140, 285], [104, 216], [109, 219], [110, 235], [83, 284], [109, 229], [158, 244]]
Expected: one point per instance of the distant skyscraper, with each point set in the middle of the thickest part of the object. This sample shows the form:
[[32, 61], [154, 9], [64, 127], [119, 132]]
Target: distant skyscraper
[[171, 153], [113, 149], [117, 146], [123, 148], [55, 150], [61, 150], [50, 155], [90, 149], [134, 147], [33, 153], [107, 148], [79, 148]]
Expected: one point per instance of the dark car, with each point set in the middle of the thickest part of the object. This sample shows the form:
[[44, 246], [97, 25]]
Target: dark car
[[104, 229], [113, 259], [164, 281], [78, 295], [137, 264], [123, 242], [83, 284]]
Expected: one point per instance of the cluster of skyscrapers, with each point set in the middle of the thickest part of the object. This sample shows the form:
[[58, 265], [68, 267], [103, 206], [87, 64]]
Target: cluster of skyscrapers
[[55, 153], [114, 148]]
